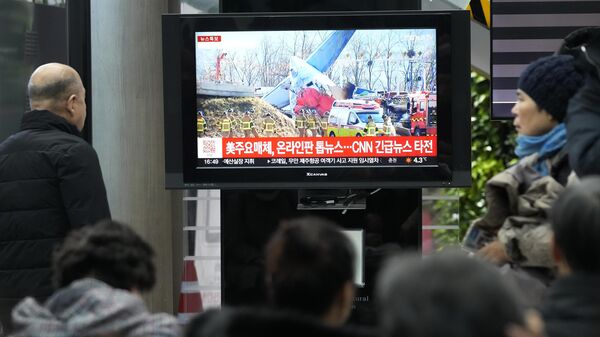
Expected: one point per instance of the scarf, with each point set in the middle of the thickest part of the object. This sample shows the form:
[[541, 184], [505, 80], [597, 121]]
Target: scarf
[[545, 146]]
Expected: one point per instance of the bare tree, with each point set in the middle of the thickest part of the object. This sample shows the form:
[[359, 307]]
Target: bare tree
[[210, 66], [389, 57], [228, 67], [272, 65], [411, 63], [431, 79], [372, 54], [246, 68], [266, 60], [302, 44], [429, 71], [355, 69]]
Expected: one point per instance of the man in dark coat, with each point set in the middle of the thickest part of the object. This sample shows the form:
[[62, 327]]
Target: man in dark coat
[[50, 183], [263, 322], [583, 115], [572, 306], [309, 281], [583, 131]]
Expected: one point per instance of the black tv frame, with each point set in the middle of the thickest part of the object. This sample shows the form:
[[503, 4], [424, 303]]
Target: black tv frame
[[454, 136], [247, 6]]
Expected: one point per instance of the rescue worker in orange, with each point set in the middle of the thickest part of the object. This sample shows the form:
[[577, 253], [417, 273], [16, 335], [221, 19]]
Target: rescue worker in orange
[[371, 128], [301, 123], [324, 124], [269, 126], [225, 124], [314, 123], [388, 127], [201, 124], [248, 125]]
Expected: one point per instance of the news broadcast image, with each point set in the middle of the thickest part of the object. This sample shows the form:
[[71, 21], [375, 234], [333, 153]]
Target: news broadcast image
[[316, 98]]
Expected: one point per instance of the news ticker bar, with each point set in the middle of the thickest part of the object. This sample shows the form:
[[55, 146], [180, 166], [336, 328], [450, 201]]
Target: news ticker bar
[[317, 147]]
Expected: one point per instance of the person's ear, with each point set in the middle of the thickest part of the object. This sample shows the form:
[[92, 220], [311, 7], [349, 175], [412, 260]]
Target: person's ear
[[341, 307], [71, 101], [347, 299], [556, 253], [559, 258]]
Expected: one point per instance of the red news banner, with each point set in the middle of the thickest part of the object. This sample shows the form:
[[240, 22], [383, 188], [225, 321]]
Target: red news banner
[[330, 147]]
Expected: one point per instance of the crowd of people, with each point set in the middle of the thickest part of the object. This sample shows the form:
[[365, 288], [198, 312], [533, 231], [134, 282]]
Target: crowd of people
[[66, 269]]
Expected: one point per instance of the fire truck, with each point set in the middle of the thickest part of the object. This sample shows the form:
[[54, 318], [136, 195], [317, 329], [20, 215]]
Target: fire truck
[[423, 114]]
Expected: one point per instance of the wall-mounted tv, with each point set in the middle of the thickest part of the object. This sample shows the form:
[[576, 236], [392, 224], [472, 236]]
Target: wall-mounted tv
[[317, 100]]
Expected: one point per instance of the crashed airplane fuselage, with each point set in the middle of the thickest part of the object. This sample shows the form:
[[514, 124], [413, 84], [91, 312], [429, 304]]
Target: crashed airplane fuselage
[[309, 73]]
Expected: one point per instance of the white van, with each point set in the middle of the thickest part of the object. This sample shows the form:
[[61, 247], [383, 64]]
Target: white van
[[349, 117]]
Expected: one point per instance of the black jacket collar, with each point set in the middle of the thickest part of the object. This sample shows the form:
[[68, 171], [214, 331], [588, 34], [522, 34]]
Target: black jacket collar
[[253, 322], [577, 294], [46, 120]]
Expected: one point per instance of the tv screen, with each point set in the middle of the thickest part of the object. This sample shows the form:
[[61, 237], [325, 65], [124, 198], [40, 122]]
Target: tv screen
[[317, 100]]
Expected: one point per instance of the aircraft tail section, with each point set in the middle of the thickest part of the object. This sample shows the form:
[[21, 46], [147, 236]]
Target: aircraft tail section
[[329, 50]]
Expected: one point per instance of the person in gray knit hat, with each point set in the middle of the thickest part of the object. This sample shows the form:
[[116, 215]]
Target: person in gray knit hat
[[100, 271], [519, 198]]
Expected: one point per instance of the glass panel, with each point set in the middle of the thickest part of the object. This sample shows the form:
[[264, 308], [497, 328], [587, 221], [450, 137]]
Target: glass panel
[[30, 35], [440, 222], [202, 233]]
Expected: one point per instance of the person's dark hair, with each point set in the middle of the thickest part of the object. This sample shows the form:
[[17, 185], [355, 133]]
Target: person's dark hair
[[448, 295], [308, 262], [576, 224], [57, 89], [108, 251]]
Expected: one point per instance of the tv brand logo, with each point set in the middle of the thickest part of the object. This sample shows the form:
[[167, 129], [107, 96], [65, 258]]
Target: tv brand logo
[[209, 38], [317, 174]]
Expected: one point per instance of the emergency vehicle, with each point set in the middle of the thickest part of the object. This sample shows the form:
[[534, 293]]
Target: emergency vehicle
[[423, 115], [349, 117]]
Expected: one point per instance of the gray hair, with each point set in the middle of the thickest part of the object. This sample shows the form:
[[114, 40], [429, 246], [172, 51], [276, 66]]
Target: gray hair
[[57, 89]]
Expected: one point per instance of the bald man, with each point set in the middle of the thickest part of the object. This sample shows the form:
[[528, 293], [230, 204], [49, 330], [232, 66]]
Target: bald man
[[50, 183]]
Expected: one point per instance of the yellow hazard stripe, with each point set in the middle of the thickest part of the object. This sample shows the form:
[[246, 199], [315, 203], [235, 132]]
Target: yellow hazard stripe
[[485, 4], [480, 11]]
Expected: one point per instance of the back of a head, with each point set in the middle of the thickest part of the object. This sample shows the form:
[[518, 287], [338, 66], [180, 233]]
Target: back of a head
[[447, 295], [53, 82], [308, 262], [576, 224], [108, 251]]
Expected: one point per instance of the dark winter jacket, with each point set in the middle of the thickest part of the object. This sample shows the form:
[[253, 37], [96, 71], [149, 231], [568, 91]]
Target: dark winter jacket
[[572, 307], [89, 307], [247, 322], [50, 183], [583, 129]]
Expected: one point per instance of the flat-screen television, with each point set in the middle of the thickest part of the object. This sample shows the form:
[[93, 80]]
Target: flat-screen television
[[317, 100]]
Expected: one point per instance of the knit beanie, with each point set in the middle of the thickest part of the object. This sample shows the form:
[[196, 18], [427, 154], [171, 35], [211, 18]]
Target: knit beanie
[[551, 81]]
